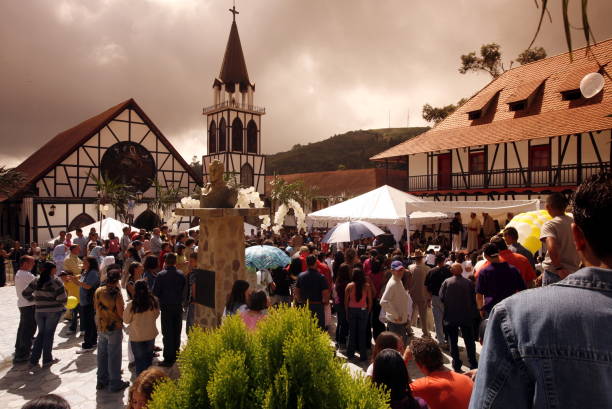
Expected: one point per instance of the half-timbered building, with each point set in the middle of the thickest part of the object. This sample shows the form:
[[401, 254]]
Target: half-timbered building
[[233, 121], [527, 133], [60, 190]]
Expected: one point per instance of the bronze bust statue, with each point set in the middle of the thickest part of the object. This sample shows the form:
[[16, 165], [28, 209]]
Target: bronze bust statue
[[217, 194]]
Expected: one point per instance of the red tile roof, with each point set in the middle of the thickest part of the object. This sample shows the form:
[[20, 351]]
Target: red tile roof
[[551, 117], [63, 144], [349, 182]]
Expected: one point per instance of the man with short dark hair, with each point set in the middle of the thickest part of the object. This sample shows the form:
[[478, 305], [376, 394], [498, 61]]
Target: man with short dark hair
[[433, 281], [551, 347], [168, 288], [312, 288], [81, 241], [457, 295], [27, 322], [561, 257], [521, 263], [496, 282], [511, 239], [440, 387], [456, 229]]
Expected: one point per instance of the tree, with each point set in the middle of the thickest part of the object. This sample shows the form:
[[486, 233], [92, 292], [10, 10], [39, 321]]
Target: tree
[[114, 194], [531, 55], [436, 115], [10, 180], [283, 191], [490, 59], [165, 199]]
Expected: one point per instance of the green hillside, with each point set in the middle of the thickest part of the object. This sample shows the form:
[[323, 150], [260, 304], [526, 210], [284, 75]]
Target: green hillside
[[350, 150]]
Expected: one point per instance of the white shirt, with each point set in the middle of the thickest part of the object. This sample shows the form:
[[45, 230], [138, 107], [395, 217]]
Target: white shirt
[[23, 278], [396, 302]]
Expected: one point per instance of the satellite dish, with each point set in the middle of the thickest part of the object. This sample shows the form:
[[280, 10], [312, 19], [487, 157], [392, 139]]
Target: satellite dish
[[591, 84]]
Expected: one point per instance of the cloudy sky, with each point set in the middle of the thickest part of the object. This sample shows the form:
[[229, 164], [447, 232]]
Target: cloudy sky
[[320, 66]]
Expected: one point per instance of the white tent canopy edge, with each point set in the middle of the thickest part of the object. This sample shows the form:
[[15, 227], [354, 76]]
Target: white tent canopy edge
[[103, 227]]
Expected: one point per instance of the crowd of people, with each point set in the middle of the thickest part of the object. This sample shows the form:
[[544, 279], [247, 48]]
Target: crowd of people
[[536, 341]]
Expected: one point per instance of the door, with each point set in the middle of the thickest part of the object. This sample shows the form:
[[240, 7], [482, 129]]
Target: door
[[444, 171]]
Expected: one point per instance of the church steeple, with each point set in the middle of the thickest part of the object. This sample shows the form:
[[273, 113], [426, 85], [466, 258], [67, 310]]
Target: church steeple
[[234, 69]]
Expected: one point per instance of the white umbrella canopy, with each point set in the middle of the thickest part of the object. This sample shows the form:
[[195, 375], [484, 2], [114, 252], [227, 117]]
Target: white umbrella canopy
[[247, 228], [351, 231], [106, 226]]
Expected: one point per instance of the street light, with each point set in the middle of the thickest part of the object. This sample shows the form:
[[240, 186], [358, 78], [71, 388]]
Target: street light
[[52, 210]]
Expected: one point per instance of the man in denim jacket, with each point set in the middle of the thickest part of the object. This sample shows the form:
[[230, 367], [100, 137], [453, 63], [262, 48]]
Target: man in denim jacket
[[551, 347]]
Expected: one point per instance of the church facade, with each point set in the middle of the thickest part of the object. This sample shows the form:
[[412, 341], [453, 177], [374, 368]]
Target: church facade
[[233, 122], [60, 191]]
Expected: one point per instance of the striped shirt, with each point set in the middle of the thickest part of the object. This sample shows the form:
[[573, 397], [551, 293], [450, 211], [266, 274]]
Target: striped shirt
[[50, 298]]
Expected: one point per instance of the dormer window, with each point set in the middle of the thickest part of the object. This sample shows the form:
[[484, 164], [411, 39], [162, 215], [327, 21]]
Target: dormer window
[[571, 95], [518, 105], [521, 97], [474, 114], [481, 105]]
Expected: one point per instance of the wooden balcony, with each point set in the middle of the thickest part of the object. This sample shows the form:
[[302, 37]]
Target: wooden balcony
[[235, 105], [564, 175]]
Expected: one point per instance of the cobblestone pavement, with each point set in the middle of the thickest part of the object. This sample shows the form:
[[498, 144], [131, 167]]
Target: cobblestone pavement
[[74, 377]]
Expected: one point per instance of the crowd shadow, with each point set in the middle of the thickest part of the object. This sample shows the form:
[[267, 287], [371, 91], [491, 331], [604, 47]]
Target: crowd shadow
[[29, 385], [82, 363]]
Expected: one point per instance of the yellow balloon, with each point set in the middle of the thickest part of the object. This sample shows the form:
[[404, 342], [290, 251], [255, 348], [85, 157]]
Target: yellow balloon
[[535, 231], [532, 243], [72, 302]]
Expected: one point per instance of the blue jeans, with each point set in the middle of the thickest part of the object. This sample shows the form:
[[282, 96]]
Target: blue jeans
[[550, 278], [109, 358], [143, 354], [437, 307], [46, 323], [358, 321]]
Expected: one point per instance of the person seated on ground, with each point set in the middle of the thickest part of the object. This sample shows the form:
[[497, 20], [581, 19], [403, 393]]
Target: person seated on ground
[[143, 387], [50, 401], [390, 371], [257, 309], [237, 298], [441, 388], [386, 340]]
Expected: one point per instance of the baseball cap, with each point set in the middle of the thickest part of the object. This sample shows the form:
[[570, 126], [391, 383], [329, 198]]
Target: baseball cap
[[490, 250], [396, 265]]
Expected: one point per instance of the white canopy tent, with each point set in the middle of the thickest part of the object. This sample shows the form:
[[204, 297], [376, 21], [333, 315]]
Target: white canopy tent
[[104, 227], [384, 206], [247, 228], [497, 209]]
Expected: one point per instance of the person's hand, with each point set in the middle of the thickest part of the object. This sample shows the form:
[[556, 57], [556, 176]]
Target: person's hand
[[471, 374], [407, 355]]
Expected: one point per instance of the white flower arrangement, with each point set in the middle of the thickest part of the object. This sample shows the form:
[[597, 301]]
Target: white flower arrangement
[[281, 213], [249, 196]]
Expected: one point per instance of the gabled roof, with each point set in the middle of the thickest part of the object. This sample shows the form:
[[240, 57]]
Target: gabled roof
[[234, 69], [65, 143], [548, 114]]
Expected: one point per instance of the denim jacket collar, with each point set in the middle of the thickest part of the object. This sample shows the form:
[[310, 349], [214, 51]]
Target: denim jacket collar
[[594, 278]]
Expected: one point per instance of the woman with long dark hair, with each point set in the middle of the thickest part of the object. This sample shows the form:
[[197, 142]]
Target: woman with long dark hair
[[338, 260], [88, 283], [343, 278], [390, 371], [237, 299], [358, 301], [377, 281], [135, 271], [49, 296], [151, 268], [131, 256], [141, 314]]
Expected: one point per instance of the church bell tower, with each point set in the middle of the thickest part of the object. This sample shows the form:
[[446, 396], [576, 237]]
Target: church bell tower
[[234, 121]]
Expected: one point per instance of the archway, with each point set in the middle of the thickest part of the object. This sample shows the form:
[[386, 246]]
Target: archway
[[237, 135], [147, 220], [212, 138], [246, 175], [80, 221], [252, 137], [222, 135]]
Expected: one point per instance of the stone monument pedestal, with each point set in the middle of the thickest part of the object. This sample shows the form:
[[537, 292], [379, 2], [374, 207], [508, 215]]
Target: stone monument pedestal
[[221, 252]]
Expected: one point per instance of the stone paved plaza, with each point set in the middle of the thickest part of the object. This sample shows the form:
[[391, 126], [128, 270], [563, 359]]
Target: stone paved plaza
[[74, 377]]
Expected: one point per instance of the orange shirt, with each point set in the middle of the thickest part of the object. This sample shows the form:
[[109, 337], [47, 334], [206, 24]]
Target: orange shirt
[[444, 390], [517, 260]]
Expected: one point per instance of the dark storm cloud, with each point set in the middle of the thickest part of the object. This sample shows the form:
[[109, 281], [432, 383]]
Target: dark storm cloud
[[321, 66]]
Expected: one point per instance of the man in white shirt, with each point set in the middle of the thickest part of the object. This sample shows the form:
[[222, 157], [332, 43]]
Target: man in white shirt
[[59, 255], [396, 302], [27, 323]]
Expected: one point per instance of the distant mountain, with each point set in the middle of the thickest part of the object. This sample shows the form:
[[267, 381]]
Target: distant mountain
[[350, 150]]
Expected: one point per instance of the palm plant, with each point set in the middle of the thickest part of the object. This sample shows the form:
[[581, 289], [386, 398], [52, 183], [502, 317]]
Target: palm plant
[[165, 198], [114, 194]]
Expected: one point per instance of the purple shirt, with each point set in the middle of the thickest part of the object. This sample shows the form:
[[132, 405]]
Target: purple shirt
[[498, 281]]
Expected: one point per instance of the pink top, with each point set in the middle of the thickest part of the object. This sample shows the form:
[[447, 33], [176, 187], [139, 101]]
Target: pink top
[[251, 320], [362, 303]]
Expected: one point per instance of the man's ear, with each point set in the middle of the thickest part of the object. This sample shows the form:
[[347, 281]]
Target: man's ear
[[579, 238]]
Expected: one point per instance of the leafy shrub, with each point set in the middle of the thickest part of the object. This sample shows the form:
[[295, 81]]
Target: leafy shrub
[[287, 363]]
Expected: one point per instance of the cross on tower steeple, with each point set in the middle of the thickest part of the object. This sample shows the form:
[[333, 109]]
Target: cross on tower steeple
[[234, 12]]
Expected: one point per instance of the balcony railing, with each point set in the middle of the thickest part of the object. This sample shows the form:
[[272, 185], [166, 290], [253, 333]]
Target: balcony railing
[[235, 105], [564, 175]]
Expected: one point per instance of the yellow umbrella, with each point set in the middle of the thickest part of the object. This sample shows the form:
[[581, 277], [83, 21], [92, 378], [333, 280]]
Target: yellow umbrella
[[528, 226]]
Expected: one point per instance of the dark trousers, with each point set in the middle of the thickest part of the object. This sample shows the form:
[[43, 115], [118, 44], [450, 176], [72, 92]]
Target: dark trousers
[[358, 322], [75, 318], [467, 332], [88, 325], [342, 328], [143, 354], [46, 323], [171, 323], [319, 313], [377, 326], [25, 332], [3, 275]]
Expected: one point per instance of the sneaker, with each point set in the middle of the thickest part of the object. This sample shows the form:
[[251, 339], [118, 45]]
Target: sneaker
[[120, 387], [84, 350], [49, 363]]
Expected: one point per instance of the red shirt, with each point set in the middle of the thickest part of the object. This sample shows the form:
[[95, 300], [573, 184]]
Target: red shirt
[[517, 260], [444, 390], [326, 272]]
